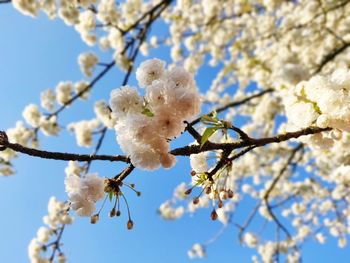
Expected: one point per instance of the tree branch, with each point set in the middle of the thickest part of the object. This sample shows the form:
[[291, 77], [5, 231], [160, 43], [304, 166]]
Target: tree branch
[[266, 195], [121, 176], [329, 57], [59, 155], [209, 146], [150, 12], [272, 186], [97, 148], [88, 87]]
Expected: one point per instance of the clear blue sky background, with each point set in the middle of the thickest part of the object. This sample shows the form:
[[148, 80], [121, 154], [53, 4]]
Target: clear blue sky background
[[35, 54]]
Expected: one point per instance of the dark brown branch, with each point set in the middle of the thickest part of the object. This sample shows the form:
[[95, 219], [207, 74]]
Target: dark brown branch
[[194, 133], [88, 87], [121, 176], [150, 12], [59, 155], [66, 156], [221, 163], [209, 146], [97, 148]]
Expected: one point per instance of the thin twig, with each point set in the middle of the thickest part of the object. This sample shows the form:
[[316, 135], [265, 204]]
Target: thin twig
[[234, 104]]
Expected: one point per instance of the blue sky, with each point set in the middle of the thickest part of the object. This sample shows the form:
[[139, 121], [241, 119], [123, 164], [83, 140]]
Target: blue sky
[[35, 54]]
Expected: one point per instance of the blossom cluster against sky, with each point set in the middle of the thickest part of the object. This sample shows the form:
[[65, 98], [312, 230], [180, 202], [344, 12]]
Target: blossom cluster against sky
[[35, 54]]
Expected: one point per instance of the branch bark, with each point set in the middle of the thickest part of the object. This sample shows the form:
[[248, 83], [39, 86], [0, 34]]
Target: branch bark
[[5, 144], [209, 146]]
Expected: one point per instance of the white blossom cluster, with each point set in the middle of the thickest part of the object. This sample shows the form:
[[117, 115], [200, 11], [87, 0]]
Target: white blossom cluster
[[18, 134], [65, 90], [36, 119], [145, 124], [104, 114], [83, 192], [322, 101], [81, 87], [250, 240], [167, 212], [57, 217], [47, 123], [197, 251], [115, 18], [83, 131], [87, 62]]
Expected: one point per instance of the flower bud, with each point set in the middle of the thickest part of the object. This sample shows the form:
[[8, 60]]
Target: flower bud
[[208, 190], [112, 213], [188, 191], [220, 204], [230, 193], [214, 215], [195, 201], [94, 219], [130, 224]]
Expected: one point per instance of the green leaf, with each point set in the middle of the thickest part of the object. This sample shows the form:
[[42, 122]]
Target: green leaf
[[207, 118], [147, 112], [207, 133], [314, 104], [210, 118], [201, 179], [110, 195]]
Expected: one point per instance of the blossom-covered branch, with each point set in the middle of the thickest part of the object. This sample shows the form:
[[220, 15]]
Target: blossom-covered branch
[[293, 55]]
